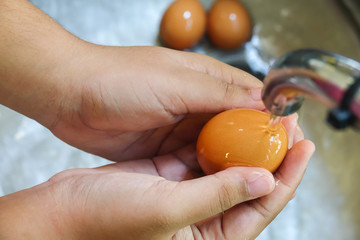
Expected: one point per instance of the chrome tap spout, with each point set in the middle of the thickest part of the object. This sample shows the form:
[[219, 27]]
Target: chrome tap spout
[[329, 78]]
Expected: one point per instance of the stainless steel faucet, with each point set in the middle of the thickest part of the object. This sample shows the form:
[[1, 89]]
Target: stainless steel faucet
[[329, 78]]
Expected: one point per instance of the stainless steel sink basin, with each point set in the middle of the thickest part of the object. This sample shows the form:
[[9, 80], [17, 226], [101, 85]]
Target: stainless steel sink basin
[[327, 205]]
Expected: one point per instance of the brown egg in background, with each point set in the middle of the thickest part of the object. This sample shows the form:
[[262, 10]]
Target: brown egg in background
[[228, 24], [183, 24]]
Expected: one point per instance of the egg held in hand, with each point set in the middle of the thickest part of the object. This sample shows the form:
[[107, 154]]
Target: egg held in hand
[[241, 137], [183, 24]]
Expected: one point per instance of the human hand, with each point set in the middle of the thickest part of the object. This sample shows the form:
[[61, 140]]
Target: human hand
[[165, 197], [117, 102], [137, 102]]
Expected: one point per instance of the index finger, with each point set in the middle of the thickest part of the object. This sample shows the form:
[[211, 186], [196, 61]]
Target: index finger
[[213, 67]]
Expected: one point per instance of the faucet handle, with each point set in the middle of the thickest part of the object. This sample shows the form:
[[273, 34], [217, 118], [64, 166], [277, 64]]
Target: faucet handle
[[342, 116]]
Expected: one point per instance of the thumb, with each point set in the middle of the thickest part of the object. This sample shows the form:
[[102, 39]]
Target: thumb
[[208, 196]]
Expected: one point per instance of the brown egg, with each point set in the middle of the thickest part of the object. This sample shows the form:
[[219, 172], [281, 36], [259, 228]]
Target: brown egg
[[241, 137], [229, 24], [183, 24]]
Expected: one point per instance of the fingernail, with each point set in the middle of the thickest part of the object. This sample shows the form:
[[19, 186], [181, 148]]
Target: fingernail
[[256, 93], [260, 184]]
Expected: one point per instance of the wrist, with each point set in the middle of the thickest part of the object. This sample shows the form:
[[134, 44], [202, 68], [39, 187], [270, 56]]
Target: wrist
[[36, 60]]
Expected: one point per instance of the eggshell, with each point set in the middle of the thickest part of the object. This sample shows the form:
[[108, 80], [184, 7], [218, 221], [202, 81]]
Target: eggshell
[[183, 24], [241, 137], [229, 24]]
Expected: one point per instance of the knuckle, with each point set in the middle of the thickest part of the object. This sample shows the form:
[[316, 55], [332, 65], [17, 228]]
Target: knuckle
[[62, 176], [165, 216], [231, 92], [228, 89], [227, 196], [69, 174], [262, 209]]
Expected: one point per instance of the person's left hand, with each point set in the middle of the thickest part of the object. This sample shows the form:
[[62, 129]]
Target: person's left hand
[[162, 198]]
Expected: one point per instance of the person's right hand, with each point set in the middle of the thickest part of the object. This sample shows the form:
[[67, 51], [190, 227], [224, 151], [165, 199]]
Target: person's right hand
[[160, 198]]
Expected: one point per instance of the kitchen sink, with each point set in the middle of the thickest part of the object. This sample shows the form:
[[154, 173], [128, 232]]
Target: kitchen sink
[[327, 205]]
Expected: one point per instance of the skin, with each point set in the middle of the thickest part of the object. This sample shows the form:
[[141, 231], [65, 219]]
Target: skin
[[143, 108]]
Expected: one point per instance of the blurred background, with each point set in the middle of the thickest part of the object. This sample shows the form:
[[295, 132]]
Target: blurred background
[[327, 205]]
